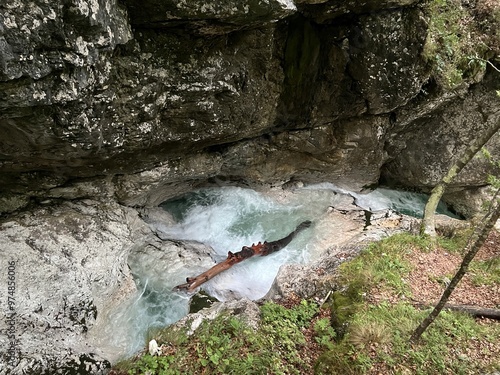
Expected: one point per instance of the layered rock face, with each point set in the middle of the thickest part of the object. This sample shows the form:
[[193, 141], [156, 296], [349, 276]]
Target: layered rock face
[[166, 95], [107, 105]]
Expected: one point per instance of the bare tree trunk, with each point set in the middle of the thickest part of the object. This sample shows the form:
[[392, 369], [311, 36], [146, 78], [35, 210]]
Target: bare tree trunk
[[476, 241], [428, 225]]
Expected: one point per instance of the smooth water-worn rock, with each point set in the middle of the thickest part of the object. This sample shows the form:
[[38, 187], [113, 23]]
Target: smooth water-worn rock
[[247, 311], [157, 261], [70, 264], [73, 270]]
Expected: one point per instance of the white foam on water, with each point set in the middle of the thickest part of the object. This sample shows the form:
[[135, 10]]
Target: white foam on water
[[225, 219], [241, 217]]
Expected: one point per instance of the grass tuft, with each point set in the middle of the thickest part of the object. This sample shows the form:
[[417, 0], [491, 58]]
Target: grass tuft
[[368, 335]]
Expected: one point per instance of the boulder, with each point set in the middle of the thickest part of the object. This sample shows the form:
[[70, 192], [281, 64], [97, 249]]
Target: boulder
[[159, 261], [247, 310]]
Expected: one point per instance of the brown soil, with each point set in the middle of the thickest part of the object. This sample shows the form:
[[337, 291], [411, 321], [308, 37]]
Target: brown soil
[[432, 270]]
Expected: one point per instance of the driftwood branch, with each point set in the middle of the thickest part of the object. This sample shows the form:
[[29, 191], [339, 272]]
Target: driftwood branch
[[261, 249]]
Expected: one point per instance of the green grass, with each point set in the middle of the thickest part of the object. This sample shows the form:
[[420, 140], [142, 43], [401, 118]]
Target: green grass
[[434, 354], [226, 345], [382, 264], [378, 335], [485, 272]]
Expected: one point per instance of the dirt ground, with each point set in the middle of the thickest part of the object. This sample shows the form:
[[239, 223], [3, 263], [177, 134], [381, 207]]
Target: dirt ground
[[427, 282], [432, 270]]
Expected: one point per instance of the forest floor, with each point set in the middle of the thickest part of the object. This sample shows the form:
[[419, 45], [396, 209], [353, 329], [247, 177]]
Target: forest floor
[[433, 269], [430, 271]]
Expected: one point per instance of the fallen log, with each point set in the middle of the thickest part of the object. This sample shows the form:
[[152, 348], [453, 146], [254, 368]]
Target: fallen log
[[261, 249], [475, 311], [478, 312]]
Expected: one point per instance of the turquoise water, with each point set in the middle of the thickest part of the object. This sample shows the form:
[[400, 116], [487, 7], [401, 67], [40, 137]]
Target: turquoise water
[[404, 202], [225, 219]]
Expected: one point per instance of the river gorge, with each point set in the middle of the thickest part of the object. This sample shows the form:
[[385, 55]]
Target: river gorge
[[140, 141]]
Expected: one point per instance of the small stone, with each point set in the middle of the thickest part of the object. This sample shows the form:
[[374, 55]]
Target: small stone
[[154, 349]]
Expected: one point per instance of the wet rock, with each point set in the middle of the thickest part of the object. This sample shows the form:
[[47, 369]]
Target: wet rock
[[200, 301], [158, 260], [70, 263], [72, 274], [312, 155], [247, 310], [156, 185]]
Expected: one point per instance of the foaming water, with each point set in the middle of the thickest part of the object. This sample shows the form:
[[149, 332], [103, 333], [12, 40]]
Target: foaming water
[[227, 219], [231, 218], [405, 202]]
